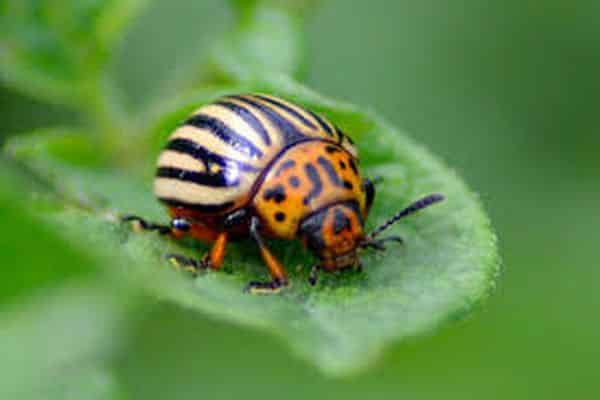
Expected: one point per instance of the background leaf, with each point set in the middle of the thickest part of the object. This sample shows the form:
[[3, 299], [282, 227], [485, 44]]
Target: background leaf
[[88, 383], [447, 267], [37, 263], [57, 50], [505, 93], [267, 39], [56, 344]]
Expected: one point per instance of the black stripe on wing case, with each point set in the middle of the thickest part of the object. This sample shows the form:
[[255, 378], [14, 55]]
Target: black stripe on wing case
[[341, 135], [206, 157], [223, 178], [204, 208], [287, 109], [290, 133], [248, 117], [349, 139], [225, 133], [324, 125]]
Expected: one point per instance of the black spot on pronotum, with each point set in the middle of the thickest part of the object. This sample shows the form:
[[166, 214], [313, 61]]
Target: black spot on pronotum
[[331, 172], [276, 193], [315, 179], [287, 164], [340, 221], [332, 149], [353, 166], [294, 181], [342, 165], [279, 216]]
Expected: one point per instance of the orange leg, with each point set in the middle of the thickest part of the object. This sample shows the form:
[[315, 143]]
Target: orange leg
[[278, 275], [180, 227], [213, 259]]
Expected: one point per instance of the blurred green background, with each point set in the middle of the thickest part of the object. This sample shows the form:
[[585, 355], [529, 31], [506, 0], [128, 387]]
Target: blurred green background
[[507, 92]]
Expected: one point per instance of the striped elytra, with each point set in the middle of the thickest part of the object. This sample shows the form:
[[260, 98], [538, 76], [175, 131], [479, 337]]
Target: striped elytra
[[214, 161], [260, 166]]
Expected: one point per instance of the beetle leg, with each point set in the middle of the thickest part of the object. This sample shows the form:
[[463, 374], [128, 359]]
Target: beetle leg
[[278, 274], [314, 274], [213, 259], [188, 264], [177, 228], [236, 218], [359, 266]]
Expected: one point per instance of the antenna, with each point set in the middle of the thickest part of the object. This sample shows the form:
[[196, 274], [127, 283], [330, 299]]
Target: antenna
[[411, 209]]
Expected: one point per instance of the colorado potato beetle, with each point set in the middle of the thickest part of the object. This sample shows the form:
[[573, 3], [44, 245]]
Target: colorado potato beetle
[[258, 166]]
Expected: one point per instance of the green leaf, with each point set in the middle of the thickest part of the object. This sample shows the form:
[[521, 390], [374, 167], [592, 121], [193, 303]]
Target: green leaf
[[56, 345], [267, 39], [292, 6], [57, 50], [89, 383], [26, 269], [446, 268]]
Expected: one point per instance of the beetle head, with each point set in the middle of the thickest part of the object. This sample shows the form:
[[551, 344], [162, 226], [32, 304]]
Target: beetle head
[[333, 234]]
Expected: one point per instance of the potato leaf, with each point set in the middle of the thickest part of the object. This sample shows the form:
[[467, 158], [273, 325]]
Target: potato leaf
[[446, 268], [57, 50], [56, 345], [267, 38]]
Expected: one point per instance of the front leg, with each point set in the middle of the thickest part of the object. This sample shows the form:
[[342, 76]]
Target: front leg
[[212, 260], [279, 278], [313, 276]]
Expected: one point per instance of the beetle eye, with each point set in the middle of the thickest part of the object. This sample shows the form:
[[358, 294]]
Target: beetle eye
[[369, 192], [180, 224]]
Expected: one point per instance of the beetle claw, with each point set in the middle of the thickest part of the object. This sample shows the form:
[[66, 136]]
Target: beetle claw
[[378, 244], [139, 224], [359, 266], [187, 264], [314, 275], [271, 287]]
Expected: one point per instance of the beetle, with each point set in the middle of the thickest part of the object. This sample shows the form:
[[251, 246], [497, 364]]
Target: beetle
[[255, 165]]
